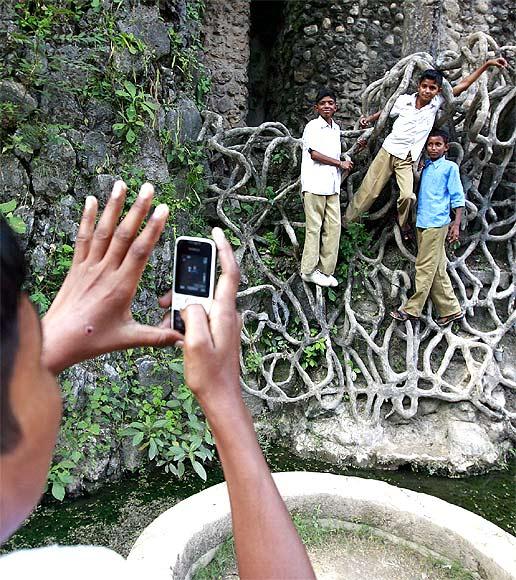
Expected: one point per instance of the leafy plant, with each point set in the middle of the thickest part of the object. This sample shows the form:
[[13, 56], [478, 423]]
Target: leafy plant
[[279, 156], [355, 237], [15, 222], [60, 475], [136, 104], [313, 352], [172, 430], [129, 42], [253, 360], [47, 284]]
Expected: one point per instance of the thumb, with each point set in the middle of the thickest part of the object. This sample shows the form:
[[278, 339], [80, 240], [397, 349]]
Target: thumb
[[144, 335]]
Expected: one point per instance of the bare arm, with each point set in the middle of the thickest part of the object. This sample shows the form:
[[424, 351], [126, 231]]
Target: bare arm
[[365, 120], [454, 229], [266, 540], [324, 159], [465, 83]]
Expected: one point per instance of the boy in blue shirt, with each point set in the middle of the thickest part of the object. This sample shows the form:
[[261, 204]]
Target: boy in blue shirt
[[440, 190]]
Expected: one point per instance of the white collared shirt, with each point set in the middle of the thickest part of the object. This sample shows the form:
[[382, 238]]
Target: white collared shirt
[[411, 128], [320, 178]]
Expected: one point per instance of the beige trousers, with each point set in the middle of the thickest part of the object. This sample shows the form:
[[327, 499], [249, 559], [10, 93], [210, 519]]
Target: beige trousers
[[322, 235], [431, 276], [378, 174]]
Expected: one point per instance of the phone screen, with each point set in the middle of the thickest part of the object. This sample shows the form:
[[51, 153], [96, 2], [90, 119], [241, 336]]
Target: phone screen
[[193, 267]]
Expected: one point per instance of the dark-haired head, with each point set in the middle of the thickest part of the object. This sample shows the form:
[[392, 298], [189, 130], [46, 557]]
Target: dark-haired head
[[325, 92], [12, 275], [439, 133], [433, 75]]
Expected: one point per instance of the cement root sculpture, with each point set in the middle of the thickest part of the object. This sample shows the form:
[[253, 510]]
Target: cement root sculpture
[[301, 342]]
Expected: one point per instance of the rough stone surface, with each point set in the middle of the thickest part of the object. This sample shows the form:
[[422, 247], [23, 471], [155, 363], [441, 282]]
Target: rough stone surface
[[226, 48], [53, 171], [355, 43], [441, 441]]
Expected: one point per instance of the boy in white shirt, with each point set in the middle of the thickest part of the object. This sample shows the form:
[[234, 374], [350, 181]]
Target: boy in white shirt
[[415, 118], [320, 183]]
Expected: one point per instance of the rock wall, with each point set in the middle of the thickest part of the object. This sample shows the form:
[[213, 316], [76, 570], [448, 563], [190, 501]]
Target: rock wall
[[226, 50], [344, 44], [89, 95]]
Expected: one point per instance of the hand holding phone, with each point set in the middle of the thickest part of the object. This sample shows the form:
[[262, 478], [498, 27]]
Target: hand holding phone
[[194, 276]]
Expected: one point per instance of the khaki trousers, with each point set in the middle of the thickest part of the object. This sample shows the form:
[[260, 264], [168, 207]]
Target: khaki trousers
[[378, 174], [431, 276], [322, 235]]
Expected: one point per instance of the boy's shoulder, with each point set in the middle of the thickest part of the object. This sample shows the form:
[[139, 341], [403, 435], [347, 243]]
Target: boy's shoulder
[[442, 162], [319, 123], [448, 163]]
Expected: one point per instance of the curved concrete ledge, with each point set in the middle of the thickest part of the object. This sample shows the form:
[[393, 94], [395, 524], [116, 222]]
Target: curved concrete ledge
[[179, 537]]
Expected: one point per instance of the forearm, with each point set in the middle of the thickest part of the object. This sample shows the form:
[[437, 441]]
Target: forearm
[[374, 117], [458, 216], [465, 83], [261, 523], [324, 159]]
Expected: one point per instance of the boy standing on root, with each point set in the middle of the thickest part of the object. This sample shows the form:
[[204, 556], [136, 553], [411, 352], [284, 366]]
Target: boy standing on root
[[440, 190], [320, 183], [415, 118]]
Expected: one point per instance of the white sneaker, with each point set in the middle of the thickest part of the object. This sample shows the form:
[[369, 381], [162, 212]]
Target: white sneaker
[[333, 281], [318, 278]]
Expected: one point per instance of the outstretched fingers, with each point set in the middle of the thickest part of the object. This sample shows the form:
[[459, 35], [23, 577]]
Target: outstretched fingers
[[127, 231], [139, 251], [107, 223], [86, 228]]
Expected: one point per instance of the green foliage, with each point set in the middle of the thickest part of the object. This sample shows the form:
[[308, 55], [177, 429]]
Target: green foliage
[[186, 59], [355, 237], [273, 243], [279, 156], [129, 42], [47, 284], [313, 352], [172, 432], [43, 18], [170, 429], [195, 10], [136, 105], [186, 159], [60, 475], [16, 223], [253, 361]]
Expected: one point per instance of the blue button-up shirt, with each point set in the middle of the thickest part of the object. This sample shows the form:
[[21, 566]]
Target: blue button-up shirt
[[440, 190]]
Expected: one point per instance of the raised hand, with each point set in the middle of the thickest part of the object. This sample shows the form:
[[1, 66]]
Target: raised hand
[[498, 62], [91, 314], [364, 122]]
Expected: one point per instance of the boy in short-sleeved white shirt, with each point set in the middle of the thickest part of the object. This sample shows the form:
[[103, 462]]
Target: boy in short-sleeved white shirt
[[321, 169]]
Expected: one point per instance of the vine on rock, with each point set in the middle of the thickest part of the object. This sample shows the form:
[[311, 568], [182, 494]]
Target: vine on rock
[[343, 348]]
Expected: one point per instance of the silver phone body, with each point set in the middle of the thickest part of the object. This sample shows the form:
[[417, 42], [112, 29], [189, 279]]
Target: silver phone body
[[194, 276]]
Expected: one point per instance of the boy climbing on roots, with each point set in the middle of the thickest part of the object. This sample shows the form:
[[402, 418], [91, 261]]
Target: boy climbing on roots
[[415, 118], [440, 190]]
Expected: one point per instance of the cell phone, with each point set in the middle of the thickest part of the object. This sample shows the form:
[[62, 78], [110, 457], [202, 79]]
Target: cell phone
[[194, 276]]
